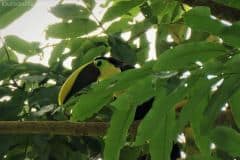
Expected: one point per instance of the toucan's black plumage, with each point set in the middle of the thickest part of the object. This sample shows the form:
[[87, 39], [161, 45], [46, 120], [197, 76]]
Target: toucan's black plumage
[[84, 79], [143, 109], [175, 153]]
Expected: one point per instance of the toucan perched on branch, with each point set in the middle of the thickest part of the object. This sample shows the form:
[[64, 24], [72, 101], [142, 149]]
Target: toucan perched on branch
[[99, 69]]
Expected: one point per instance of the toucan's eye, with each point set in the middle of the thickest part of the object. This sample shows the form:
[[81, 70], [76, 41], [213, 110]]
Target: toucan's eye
[[98, 63]]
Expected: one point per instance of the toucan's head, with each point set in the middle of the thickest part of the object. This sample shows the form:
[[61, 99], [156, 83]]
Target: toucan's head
[[106, 67]]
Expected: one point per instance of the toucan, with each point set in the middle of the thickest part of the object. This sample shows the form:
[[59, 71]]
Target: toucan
[[99, 69]]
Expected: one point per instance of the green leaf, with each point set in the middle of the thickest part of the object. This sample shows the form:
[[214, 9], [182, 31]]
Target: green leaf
[[12, 69], [207, 24], [70, 11], [234, 104], [230, 34], [119, 9], [4, 91], [86, 107], [79, 46], [198, 36], [9, 110], [76, 28], [226, 139], [183, 55], [122, 81], [90, 3], [122, 51], [142, 53], [200, 157], [162, 105], [43, 96], [232, 65], [9, 141], [222, 95], [229, 3], [140, 27], [22, 46], [161, 142], [120, 122], [192, 112], [125, 106], [10, 10], [104, 91], [92, 53], [7, 55], [130, 153], [119, 26], [141, 91], [197, 101], [164, 10], [57, 52]]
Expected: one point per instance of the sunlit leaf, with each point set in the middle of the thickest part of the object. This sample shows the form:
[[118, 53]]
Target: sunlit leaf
[[86, 107], [57, 52], [184, 55], [7, 55], [193, 110], [70, 11], [119, 9], [120, 122], [92, 53], [222, 95], [161, 142], [76, 28], [12, 69], [206, 24], [119, 26], [22, 46], [125, 106], [90, 3]]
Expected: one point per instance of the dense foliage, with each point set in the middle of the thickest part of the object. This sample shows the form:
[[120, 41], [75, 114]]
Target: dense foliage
[[195, 80]]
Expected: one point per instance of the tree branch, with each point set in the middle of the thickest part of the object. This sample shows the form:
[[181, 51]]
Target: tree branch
[[59, 128], [218, 10]]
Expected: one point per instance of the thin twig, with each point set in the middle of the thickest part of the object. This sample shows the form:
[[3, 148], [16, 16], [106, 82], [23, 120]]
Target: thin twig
[[96, 19], [5, 48]]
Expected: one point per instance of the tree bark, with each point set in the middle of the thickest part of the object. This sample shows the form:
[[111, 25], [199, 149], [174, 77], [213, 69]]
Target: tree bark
[[58, 128]]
